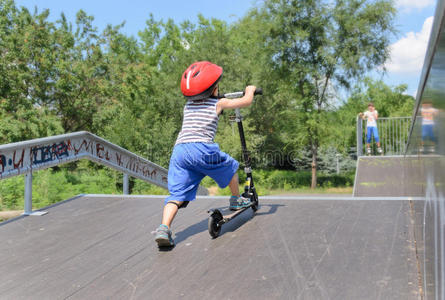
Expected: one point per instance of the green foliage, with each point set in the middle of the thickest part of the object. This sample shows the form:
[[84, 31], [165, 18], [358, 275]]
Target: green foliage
[[143, 188], [267, 181], [53, 185], [389, 102], [12, 193], [281, 179]]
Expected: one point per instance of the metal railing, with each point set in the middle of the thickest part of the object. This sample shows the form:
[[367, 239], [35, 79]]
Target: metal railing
[[393, 134], [23, 158]]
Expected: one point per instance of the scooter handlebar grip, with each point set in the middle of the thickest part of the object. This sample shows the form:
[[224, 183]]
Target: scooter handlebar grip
[[258, 91]]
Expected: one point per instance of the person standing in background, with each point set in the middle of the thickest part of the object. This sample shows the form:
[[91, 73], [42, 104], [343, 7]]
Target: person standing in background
[[371, 116]]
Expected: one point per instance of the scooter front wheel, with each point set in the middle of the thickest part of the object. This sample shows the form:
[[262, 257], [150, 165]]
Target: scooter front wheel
[[254, 200]]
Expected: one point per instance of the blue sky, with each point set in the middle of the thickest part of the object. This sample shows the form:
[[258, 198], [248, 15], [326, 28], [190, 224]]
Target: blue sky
[[408, 48]]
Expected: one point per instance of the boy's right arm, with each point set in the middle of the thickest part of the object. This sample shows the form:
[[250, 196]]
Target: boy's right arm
[[244, 101]]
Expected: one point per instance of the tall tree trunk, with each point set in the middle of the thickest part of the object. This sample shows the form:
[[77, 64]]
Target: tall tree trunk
[[314, 150]]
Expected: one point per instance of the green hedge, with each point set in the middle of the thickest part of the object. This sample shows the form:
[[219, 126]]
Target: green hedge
[[282, 179], [286, 179], [54, 185]]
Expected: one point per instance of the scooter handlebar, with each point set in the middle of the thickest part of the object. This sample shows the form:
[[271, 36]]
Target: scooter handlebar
[[258, 91]]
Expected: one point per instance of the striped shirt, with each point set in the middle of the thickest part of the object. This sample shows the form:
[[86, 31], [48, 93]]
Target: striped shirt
[[200, 122]]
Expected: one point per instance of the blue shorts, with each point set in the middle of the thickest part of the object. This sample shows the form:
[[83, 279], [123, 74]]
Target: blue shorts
[[428, 132], [372, 130], [191, 162]]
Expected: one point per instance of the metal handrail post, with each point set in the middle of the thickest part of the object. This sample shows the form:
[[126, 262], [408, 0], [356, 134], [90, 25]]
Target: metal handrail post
[[28, 193], [28, 198], [359, 137], [125, 184]]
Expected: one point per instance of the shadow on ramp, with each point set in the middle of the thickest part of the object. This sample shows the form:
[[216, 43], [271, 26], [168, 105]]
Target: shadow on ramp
[[231, 226]]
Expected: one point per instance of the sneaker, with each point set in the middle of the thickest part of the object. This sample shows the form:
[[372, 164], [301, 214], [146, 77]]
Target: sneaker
[[368, 151], [238, 202], [379, 150], [164, 236]]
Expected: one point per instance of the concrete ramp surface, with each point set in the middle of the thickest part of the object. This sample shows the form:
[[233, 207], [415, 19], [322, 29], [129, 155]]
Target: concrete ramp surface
[[393, 176], [95, 247]]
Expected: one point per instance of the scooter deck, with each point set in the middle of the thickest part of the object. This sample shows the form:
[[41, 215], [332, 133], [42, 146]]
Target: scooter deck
[[228, 214]]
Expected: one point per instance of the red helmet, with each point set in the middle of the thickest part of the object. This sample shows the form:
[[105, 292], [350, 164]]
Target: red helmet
[[200, 79]]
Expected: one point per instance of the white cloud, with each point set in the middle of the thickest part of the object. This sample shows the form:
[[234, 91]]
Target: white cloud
[[408, 53], [408, 5]]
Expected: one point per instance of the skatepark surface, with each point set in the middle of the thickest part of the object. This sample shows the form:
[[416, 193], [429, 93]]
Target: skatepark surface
[[101, 247]]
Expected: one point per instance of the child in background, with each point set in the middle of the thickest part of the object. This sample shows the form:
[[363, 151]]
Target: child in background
[[195, 154], [371, 116]]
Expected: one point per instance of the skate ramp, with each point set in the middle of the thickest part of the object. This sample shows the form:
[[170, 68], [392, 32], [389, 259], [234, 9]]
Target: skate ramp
[[392, 176], [95, 247]]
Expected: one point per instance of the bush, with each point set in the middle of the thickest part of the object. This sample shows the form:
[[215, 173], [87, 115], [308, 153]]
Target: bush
[[54, 185], [12, 193], [141, 187], [287, 180], [60, 183]]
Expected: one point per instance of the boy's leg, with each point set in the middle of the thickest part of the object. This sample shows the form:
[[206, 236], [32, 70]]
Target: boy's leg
[[163, 233], [222, 168], [233, 185], [368, 149], [368, 140], [377, 140], [236, 202], [170, 210]]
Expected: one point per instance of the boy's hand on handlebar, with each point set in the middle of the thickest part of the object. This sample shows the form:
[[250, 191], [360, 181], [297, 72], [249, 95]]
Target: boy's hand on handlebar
[[250, 89]]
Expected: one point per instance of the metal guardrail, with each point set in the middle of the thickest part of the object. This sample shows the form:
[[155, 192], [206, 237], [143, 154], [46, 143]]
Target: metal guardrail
[[393, 134], [23, 158]]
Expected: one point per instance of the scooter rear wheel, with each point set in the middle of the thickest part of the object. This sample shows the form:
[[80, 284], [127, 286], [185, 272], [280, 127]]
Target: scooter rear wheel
[[214, 226]]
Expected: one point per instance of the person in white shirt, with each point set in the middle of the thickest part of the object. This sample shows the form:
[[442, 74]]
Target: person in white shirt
[[371, 116]]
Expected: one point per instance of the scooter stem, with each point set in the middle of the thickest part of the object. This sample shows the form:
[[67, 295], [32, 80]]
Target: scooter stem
[[245, 152]]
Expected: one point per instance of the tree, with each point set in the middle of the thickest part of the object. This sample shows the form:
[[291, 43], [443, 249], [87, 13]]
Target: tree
[[27, 59], [319, 44], [389, 101]]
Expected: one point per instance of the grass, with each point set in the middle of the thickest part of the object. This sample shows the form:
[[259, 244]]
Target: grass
[[215, 191], [305, 190]]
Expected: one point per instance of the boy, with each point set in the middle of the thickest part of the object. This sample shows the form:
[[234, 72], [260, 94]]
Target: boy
[[195, 154], [371, 115]]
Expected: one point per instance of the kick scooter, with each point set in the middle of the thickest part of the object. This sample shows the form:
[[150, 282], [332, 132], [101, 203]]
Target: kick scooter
[[217, 219]]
